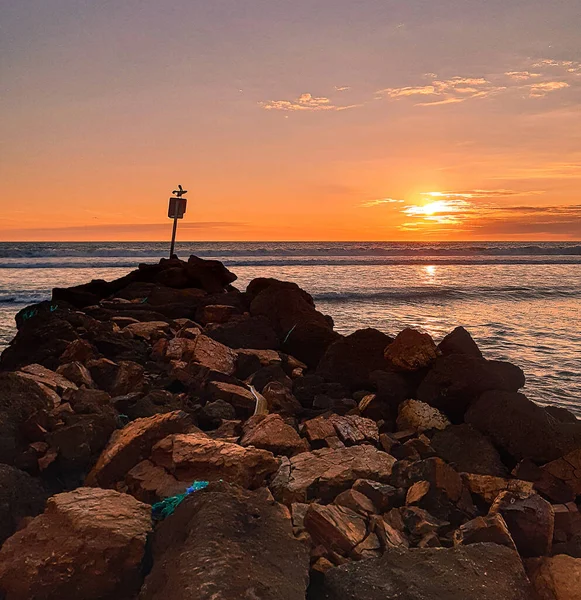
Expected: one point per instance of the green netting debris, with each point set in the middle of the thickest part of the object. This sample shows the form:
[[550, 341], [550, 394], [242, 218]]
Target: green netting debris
[[164, 508]]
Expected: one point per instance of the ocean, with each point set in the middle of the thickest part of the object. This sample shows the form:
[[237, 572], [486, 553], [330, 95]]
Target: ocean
[[520, 301]]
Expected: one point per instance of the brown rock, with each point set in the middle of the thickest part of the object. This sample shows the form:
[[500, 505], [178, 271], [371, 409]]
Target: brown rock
[[383, 495], [216, 313], [239, 397], [317, 430], [370, 547], [491, 528], [119, 378], [488, 487], [353, 429], [227, 543], [326, 472], [335, 527], [272, 433], [132, 444], [556, 577], [522, 428], [149, 330], [530, 520], [77, 373], [356, 501], [544, 483], [195, 456], [78, 350], [214, 355], [389, 536], [419, 416], [149, 483], [411, 350], [89, 543], [459, 341], [280, 399], [567, 469]]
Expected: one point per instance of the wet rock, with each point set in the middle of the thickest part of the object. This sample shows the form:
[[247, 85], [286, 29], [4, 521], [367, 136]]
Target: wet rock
[[95, 540], [195, 456], [455, 381], [353, 358], [556, 577], [325, 473], [413, 414], [530, 520], [227, 543], [271, 433], [475, 572], [521, 428], [459, 341], [336, 527], [491, 529], [245, 332], [132, 444], [411, 350], [20, 496], [468, 450]]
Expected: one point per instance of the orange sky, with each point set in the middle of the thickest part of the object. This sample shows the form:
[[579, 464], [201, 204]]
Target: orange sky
[[308, 123]]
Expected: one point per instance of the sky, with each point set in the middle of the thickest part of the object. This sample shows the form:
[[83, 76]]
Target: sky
[[291, 120]]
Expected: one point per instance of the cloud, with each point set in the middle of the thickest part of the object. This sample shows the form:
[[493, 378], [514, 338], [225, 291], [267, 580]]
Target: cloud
[[380, 201], [521, 75], [569, 66], [305, 102], [539, 90], [342, 88]]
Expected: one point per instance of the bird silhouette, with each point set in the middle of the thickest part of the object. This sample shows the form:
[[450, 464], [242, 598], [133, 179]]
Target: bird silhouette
[[180, 191]]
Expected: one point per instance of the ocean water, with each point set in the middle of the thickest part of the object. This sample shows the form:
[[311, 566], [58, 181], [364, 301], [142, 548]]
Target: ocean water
[[520, 301]]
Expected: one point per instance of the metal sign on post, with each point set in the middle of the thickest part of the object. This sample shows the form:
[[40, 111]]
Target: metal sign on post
[[176, 210]]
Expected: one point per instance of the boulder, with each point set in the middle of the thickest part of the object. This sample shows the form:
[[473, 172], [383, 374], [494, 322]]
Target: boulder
[[488, 487], [280, 399], [491, 529], [356, 501], [474, 572], [245, 332], [326, 472], [545, 483], [410, 350], [419, 416], [352, 359], [192, 456], [567, 469], [555, 577], [77, 373], [51, 379], [216, 313], [149, 330], [383, 495], [21, 496], [78, 351], [459, 341], [391, 389], [353, 429], [337, 528], [271, 433], [468, 450], [530, 520], [119, 378], [455, 381], [213, 413], [88, 544], [132, 444], [522, 428], [213, 355], [228, 543]]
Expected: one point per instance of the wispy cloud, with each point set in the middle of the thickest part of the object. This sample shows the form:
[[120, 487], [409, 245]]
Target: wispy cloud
[[380, 202], [540, 90], [343, 88], [305, 102], [569, 66], [522, 75]]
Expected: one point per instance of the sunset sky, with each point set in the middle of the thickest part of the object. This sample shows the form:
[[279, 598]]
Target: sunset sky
[[291, 120]]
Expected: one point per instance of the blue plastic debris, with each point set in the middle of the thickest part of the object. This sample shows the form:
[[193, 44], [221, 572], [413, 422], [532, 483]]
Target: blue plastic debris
[[164, 508]]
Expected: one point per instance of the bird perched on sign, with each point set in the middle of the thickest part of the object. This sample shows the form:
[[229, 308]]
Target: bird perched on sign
[[180, 191]]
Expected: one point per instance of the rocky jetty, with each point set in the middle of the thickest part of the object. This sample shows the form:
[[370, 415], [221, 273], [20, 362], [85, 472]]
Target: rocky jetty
[[340, 467]]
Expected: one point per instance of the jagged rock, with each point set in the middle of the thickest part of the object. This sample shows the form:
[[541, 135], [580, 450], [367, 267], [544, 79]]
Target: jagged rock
[[468, 450], [195, 456], [227, 543], [77, 373], [353, 429], [151, 483], [488, 487], [351, 359], [522, 428], [213, 413], [304, 332], [245, 332], [280, 399], [271, 433], [567, 469], [389, 536], [119, 378], [151, 330], [556, 577], [213, 355], [132, 444], [337, 528], [491, 528], [89, 543], [383, 495], [318, 431], [370, 547], [20, 496], [410, 350], [216, 313], [417, 521], [356, 501], [51, 379], [326, 472], [236, 395], [475, 572], [261, 378], [20, 399], [567, 521], [413, 414], [530, 520], [136, 405], [78, 351], [459, 341]]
